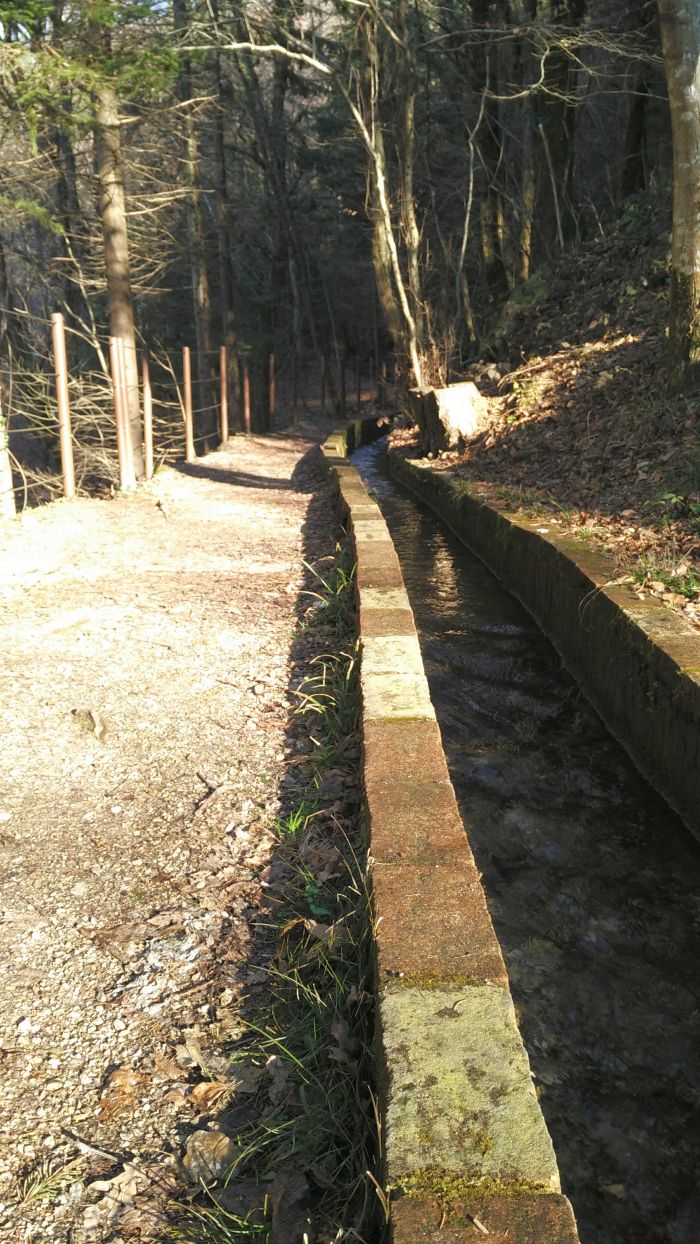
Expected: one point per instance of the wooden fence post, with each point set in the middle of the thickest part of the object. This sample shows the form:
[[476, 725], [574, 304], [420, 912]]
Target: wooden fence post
[[223, 377], [246, 394], [147, 413], [342, 397], [271, 387], [63, 403], [120, 414], [190, 454], [381, 384], [324, 383], [295, 388], [129, 480]]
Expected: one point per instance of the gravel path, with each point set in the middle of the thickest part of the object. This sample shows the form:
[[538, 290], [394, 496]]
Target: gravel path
[[146, 687]]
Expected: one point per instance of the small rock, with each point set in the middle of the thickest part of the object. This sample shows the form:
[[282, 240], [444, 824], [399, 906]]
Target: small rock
[[209, 1156]]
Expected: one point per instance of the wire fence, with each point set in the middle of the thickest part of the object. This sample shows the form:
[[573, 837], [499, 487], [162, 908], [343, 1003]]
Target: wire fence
[[119, 411]]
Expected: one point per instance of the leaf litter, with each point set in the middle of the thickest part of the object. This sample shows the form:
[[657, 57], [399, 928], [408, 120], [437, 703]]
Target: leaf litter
[[132, 897]]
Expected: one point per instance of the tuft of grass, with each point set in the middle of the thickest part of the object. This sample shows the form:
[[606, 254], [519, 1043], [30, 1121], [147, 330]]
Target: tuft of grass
[[296, 821], [307, 1132], [329, 602], [47, 1181], [677, 576]]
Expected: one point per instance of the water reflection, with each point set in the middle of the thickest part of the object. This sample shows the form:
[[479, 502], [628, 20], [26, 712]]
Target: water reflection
[[593, 884]]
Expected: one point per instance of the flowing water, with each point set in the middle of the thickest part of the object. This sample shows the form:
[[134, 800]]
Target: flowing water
[[592, 882]]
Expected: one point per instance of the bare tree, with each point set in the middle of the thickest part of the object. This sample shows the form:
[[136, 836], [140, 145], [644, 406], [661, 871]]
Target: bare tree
[[680, 32]]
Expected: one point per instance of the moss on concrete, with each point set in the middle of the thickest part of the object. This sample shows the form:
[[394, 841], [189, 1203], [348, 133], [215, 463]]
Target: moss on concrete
[[434, 1183], [460, 1098]]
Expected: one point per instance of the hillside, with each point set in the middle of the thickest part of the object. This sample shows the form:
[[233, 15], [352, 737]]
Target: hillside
[[581, 430]]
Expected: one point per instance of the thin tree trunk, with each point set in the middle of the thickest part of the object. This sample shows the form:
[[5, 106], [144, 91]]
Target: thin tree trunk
[[112, 201], [634, 177], [391, 290], [489, 145], [555, 117], [680, 31], [201, 297], [407, 86], [271, 133], [223, 226]]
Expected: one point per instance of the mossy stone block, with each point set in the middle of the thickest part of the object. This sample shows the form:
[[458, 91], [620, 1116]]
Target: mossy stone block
[[460, 1098]]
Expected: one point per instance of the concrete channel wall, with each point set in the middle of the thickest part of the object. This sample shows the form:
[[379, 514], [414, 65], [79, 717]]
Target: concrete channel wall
[[638, 662], [466, 1151]]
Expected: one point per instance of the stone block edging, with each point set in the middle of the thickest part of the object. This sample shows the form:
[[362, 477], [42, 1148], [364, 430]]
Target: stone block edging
[[638, 662], [464, 1140]]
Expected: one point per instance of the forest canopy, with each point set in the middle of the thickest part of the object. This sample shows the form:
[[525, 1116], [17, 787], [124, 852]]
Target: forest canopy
[[310, 180]]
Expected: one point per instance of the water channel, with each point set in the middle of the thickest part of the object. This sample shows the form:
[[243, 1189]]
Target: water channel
[[592, 882]]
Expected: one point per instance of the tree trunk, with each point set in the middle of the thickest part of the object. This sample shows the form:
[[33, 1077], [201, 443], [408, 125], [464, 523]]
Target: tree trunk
[[391, 289], [555, 116], [489, 144], [7, 496], [527, 70], [680, 33], [633, 176], [223, 226], [201, 297], [290, 251], [407, 88], [112, 202]]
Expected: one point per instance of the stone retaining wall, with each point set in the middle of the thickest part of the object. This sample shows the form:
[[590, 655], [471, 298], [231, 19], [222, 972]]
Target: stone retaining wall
[[466, 1150], [638, 662]]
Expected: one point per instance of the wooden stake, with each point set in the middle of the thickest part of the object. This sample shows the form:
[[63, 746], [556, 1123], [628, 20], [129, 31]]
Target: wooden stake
[[223, 377], [190, 454], [119, 412], [381, 384], [272, 387], [342, 395], [129, 480], [358, 378], [295, 389], [63, 403], [246, 394], [147, 413], [324, 383]]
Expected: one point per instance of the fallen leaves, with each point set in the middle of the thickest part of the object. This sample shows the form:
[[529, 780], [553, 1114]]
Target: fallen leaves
[[346, 1046], [287, 1195], [120, 1093]]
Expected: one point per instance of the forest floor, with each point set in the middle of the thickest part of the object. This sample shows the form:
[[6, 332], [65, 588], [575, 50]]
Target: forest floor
[[582, 432], [152, 648]]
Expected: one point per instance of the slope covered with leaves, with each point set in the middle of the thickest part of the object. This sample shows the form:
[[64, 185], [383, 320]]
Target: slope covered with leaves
[[582, 430]]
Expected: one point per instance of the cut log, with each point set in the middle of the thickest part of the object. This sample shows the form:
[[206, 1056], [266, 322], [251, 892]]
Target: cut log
[[447, 417]]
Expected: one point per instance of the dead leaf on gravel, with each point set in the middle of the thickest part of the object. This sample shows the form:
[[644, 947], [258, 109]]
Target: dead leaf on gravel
[[205, 1094], [245, 1077], [119, 1096], [165, 1068], [190, 1054], [166, 919], [123, 941], [89, 721]]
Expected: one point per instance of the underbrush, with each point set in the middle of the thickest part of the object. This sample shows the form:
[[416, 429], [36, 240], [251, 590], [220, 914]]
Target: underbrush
[[306, 1124]]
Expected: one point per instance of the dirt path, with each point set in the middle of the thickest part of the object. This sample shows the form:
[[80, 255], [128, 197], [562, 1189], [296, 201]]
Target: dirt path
[[146, 692]]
